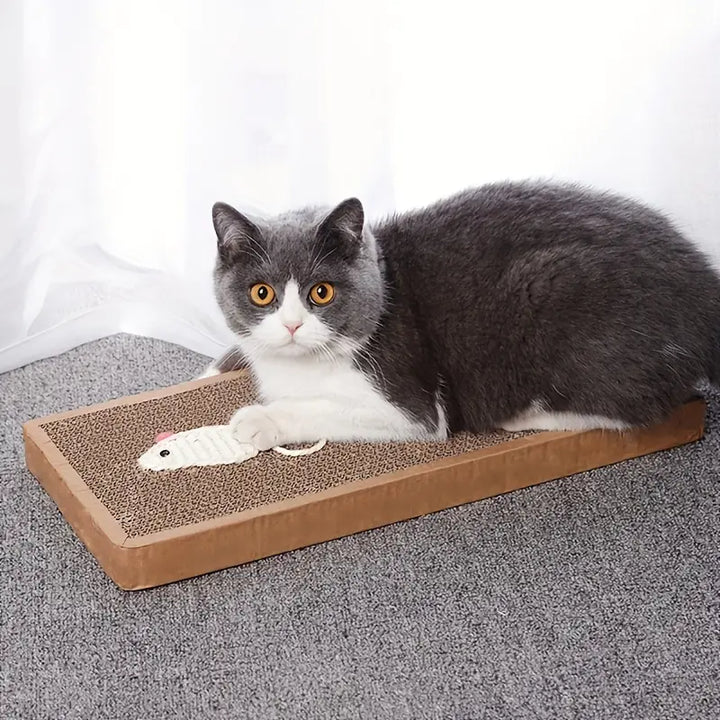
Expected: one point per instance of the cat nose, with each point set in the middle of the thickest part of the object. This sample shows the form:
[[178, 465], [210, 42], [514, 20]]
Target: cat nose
[[292, 327]]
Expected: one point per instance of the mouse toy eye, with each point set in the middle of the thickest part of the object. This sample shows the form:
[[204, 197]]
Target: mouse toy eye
[[322, 294], [261, 294], [164, 453]]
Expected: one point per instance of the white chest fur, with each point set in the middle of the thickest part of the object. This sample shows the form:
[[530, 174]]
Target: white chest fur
[[359, 404], [304, 378]]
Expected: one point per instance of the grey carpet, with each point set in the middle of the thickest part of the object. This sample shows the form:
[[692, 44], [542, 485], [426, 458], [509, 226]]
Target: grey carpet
[[596, 596]]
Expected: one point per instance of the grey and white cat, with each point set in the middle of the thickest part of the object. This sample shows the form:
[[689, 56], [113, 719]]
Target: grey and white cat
[[514, 305]]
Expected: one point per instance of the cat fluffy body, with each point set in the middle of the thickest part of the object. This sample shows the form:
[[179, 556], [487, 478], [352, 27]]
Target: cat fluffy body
[[513, 305]]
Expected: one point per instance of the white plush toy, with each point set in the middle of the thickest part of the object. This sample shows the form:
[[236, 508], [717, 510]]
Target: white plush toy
[[209, 445]]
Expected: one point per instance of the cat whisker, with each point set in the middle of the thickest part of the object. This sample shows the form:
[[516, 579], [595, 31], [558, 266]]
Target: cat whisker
[[327, 353], [232, 359], [238, 358], [262, 249], [316, 261], [373, 364], [251, 251]]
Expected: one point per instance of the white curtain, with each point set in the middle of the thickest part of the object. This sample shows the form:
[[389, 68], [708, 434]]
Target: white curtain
[[121, 122]]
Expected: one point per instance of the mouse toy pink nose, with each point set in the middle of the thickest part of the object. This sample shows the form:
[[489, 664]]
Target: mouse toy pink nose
[[163, 436], [292, 328]]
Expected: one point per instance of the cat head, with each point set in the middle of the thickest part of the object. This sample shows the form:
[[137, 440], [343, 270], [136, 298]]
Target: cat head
[[306, 283]]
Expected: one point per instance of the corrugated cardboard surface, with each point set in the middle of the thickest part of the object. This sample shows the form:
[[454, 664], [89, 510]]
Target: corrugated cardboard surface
[[150, 528], [103, 447]]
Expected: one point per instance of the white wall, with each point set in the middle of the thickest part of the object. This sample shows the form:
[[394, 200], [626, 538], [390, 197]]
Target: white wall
[[624, 94]]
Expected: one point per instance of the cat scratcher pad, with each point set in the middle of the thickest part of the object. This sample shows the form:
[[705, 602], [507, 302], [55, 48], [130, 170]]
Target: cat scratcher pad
[[149, 528]]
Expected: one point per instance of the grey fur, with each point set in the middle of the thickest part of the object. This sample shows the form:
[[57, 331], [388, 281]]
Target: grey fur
[[499, 297]]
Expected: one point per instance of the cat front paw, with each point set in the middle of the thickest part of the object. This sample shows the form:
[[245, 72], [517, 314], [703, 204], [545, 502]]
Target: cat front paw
[[254, 425]]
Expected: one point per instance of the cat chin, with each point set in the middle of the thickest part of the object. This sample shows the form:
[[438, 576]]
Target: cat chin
[[330, 348], [286, 351], [292, 350]]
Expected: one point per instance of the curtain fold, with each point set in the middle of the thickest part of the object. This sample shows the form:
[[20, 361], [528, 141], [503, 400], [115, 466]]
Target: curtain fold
[[122, 122]]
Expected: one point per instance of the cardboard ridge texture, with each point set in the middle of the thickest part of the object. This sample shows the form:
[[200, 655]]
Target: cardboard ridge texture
[[150, 528]]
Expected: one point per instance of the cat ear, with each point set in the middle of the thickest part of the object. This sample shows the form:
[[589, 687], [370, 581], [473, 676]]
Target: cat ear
[[345, 222], [234, 231]]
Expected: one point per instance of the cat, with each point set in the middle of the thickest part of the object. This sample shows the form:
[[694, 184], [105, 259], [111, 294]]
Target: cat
[[515, 306]]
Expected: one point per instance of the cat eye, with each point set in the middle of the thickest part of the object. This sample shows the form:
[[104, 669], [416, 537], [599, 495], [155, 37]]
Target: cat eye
[[322, 293], [261, 294]]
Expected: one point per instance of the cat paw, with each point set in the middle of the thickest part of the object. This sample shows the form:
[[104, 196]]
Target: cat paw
[[254, 425]]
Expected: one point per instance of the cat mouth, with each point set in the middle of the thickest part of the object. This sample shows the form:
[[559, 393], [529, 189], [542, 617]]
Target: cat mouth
[[292, 347]]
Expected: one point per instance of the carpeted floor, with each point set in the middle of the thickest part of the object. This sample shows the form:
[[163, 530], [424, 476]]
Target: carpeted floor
[[597, 596]]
